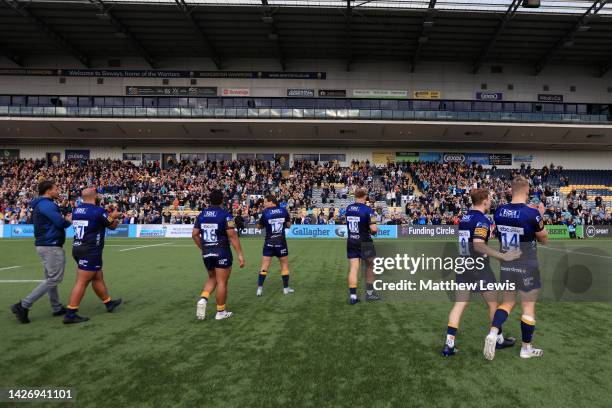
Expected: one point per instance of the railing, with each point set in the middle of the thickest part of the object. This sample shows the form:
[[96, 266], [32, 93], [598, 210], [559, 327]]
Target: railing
[[318, 114]]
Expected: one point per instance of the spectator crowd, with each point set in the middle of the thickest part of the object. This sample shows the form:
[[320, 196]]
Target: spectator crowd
[[424, 192]]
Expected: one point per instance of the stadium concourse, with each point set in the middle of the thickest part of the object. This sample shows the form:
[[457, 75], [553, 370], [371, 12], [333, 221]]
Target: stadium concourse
[[314, 193]]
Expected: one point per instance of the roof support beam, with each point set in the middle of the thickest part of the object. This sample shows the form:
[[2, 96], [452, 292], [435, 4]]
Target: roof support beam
[[603, 69], [188, 13], [422, 37], [348, 36], [273, 35], [44, 28], [568, 39], [123, 30], [510, 12]]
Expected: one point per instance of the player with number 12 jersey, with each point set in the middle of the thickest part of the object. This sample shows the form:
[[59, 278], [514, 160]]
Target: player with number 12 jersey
[[274, 220]]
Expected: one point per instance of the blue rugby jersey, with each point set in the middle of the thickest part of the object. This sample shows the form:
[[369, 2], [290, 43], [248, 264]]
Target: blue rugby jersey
[[516, 226], [90, 222], [213, 224], [359, 217], [472, 225], [274, 219]]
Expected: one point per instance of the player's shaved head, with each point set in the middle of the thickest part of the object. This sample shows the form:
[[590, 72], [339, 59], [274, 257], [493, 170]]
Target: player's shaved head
[[89, 195]]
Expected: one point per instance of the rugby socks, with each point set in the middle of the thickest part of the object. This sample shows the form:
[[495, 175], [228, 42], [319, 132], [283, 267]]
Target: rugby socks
[[71, 311], [262, 278], [220, 308], [369, 288], [204, 295], [285, 277], [500, 316], [527, 328], [451, 332], [353, 292]]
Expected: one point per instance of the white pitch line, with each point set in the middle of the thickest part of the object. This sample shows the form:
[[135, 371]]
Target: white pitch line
[[20, 281], [569, 252], [143, 246], [120, 245], [10, 267]]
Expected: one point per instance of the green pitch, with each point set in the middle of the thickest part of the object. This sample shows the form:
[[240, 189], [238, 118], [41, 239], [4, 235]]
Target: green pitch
[[310, 349]]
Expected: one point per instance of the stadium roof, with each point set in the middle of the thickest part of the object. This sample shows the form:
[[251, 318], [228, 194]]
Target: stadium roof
[[474, 32]]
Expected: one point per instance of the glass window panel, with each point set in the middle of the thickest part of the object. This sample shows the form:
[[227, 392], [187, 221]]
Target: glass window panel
[[149, 157], [265, 156], [132, 156], [306, 156], [219, 156], [18, 101], [193, 157], [333, 157]]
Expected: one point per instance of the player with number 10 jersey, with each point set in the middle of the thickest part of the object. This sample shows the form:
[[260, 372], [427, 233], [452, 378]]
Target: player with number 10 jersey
[[361, 225]]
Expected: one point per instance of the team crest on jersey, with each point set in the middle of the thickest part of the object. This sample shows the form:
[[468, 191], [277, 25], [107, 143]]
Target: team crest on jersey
[[507, 213]]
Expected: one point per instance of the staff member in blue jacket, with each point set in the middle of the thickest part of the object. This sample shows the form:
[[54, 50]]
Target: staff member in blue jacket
[[50, 233]]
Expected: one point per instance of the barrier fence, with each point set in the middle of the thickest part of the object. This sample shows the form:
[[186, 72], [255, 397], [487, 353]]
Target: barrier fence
[[306, 231]]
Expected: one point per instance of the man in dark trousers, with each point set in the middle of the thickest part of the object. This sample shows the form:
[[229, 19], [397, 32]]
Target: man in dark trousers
[[50, 233]]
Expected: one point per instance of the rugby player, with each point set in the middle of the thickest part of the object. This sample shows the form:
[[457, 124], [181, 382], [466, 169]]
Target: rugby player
[[361, 225], [213, 231], [274, 219], [474, 233], [519, 226], [90, 222]]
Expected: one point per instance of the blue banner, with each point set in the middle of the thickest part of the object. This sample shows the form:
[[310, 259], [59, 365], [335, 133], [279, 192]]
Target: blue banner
[[161, 231], [122, 231], [430, 157], [478, 158], [334, 231], [27, 231], [20, 231]]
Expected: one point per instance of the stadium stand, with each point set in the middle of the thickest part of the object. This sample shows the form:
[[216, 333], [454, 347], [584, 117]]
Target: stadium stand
[[417, 193]]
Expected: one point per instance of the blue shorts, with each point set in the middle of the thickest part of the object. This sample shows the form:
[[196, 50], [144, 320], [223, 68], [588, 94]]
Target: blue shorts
[[220, 258], [90, 264], [524, 275], [90, 261], [360, 250], [277, 250]]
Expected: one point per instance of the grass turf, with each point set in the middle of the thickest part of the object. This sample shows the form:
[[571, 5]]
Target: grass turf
[[310, 349]]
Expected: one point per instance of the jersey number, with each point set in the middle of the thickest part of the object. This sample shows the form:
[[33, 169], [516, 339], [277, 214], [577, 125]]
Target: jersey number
[[510, 237], [353, 224], [209, 232], [277, 225], [79, 228], [464, 242]]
